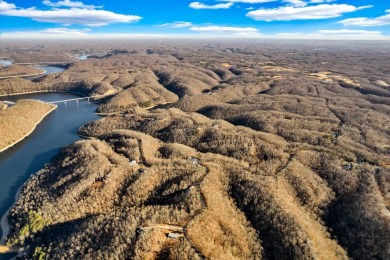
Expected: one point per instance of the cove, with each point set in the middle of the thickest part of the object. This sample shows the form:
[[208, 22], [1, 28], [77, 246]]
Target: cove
[[47, 69], [5, 62], [57, 130]]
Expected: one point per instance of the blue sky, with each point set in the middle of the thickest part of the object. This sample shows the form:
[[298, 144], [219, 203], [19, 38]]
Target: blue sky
[[325, 19]]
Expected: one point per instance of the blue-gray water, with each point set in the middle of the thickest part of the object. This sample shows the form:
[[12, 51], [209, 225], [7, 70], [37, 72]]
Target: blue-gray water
[[86, 56], [57, 130], [5, 62], [47, 69], [82, 57]]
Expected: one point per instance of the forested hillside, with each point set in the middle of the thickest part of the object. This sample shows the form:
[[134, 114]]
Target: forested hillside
[[18, 71], [18, 121], [232, 150]]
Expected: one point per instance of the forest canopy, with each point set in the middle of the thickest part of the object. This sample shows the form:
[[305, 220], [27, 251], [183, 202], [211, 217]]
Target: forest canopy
[[19, 120], [230, 150]]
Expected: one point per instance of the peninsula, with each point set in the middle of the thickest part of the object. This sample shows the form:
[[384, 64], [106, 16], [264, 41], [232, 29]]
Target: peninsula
[[19, 121], [19, 71]]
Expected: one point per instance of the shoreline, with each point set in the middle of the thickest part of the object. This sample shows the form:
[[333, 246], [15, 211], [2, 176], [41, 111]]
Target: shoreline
[[4, 224], [43, 91], [30, 132], [5, 227], [24, 76], [43, 63]]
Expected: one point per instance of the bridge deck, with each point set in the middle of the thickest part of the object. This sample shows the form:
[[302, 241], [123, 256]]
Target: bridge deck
[[68, 100], [8, 102], [52, 102]]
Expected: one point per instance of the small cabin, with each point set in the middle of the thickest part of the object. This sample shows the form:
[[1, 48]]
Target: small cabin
[[174, 235], [348, 167], [194, 160]]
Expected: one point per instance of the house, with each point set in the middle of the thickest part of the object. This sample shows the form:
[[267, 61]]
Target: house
[[174, 235], [133, 162], [348, 166], [194, 160]]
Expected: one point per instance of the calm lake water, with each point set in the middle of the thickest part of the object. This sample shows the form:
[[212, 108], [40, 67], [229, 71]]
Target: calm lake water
[[82, 57], [5, 62], [48, 69], [86, 56], [57, 130]]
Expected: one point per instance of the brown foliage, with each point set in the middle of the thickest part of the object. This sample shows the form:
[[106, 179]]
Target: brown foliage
[[258, 155], [18, 121]]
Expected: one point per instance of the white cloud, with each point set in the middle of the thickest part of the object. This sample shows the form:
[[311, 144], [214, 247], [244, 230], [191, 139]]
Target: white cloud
[[4, 6], [349, 35], [364, 21], [335, 35], [75, 15], [288, 13], [321, 1], [297, 3], [350, 32], [64, 33], [54, 33], [177, 24], [249, 1], [69, 3], [227, 30], [198, 5]]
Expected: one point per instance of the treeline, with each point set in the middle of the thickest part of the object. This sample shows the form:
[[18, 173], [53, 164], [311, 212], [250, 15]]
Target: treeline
[[17, 70], [142, 90], [41, 56], [19, 85]]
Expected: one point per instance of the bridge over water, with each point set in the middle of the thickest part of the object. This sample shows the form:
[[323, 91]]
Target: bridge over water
[[69, 100], [10, 103]]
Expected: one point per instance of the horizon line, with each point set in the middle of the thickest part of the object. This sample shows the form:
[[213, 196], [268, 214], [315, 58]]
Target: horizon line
[[141, 36]]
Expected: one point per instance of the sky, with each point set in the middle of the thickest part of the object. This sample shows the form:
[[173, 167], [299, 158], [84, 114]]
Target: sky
[[301, 19]]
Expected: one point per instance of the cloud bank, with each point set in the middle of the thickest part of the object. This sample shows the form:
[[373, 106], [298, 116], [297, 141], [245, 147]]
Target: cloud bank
[[364, 21], [198, 5], [178, 24], [288, 13], [77, 14]]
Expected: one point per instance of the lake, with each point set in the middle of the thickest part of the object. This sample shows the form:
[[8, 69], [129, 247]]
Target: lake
[[47, 69], [87, 56], [5, 62], [57, 130]]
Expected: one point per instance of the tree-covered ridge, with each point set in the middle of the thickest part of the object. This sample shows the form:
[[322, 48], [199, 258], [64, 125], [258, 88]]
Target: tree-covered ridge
[[19, 71], [17, 121], [236, 193], [252, 152]]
